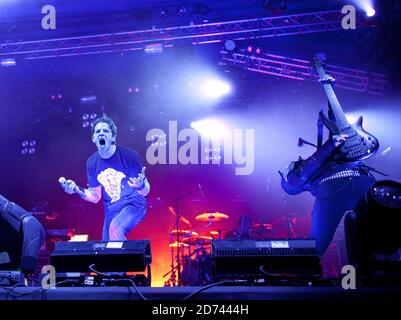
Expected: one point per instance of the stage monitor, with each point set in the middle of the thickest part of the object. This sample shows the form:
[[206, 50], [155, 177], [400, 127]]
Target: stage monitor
[[21, 236], [251, 258], [103, 256]]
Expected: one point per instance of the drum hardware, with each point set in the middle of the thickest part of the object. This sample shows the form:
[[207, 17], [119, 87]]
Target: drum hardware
[[176, 263]]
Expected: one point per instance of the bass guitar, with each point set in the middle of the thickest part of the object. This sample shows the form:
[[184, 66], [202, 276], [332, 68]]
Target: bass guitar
[[359, 144]]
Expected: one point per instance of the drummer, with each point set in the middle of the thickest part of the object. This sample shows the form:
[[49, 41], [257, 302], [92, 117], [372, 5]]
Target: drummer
[[243, 231]]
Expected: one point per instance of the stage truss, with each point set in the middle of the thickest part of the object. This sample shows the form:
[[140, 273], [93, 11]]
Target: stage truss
[[248, 29], [297, 69], [266, 27]]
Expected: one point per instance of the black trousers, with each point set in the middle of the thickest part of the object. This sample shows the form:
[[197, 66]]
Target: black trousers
[[333, 199]]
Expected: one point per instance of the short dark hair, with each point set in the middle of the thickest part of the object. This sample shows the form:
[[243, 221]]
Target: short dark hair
[[104, 118]]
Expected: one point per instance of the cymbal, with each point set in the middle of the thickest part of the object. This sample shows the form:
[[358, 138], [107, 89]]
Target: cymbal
[[266, 226], [211, 217], [187, 233], [181, 218], [205, 240], [178, 244], [217, 234]]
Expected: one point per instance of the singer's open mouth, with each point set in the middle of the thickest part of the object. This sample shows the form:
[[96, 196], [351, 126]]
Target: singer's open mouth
[[102, 141]]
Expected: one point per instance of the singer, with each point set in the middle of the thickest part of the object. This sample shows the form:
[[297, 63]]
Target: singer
[[117, 172]]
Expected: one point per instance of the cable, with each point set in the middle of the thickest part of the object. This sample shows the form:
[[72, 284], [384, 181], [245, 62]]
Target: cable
[[207, 287], [110, 275], [297, 279], [133, 284], [98, 272]]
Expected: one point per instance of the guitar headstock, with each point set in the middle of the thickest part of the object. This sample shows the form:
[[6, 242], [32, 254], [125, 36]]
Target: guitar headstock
[[319, 59]]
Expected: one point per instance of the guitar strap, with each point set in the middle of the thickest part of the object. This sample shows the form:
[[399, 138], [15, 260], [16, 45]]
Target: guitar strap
[[319, 130], [320, 125]]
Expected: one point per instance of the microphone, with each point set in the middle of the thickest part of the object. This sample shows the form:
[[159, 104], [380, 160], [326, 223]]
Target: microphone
[[200, 188], [77, 189]]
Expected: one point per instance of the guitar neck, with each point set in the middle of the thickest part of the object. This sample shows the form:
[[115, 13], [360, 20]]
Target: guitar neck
[[338, 112]]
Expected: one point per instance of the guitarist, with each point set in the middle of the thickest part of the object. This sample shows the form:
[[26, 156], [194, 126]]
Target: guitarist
[[336, 185]]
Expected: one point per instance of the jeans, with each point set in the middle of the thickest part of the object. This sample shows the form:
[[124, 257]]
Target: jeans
[[118, 225], [333, 199]]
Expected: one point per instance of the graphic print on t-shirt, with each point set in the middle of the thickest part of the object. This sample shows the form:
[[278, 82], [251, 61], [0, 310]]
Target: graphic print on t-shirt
[[111, 179]]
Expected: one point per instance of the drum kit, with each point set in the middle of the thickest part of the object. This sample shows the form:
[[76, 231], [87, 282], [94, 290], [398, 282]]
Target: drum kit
[[191, 263], [190, 251]]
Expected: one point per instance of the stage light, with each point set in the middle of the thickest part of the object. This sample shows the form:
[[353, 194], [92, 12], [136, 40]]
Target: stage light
[[372, 228], [214, 88], [183, 11], [370, 12], [56, 96], [88, 100], [210, 128], [249, 49], [163, 12], [153, 48], [131, 90], [8, 62], [229, 45], [21, 236], [367, 6], [28, 147]]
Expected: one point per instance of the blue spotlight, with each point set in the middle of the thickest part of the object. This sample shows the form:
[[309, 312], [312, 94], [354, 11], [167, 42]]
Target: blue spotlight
[[7, 62], [370, 12], [213, 88], [367, 6]]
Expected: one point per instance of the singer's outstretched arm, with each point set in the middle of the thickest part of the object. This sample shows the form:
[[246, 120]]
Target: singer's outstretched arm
[[91, 194]]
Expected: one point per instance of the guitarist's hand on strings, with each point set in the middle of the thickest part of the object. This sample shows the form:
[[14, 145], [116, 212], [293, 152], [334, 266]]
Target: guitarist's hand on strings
[[339, 139]]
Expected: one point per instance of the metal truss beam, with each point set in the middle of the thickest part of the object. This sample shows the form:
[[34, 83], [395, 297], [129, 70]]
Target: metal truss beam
[[196, 34], [296, 69]]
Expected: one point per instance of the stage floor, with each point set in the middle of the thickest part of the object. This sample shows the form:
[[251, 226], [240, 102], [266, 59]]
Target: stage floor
[[215, 293]]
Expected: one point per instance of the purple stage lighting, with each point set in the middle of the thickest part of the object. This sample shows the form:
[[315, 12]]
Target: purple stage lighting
[[210, 128], [88, 99], [215, 88], [8, 62], [153, 48], [367, 6], [370, 12]]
